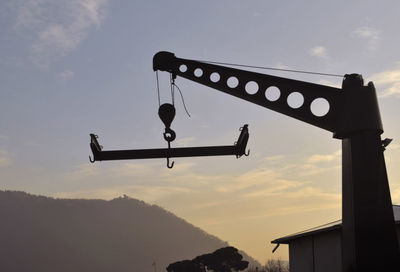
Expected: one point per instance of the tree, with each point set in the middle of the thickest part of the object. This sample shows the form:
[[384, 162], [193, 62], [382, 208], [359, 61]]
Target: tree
[[276, 266], [225, 259], [185, 266]]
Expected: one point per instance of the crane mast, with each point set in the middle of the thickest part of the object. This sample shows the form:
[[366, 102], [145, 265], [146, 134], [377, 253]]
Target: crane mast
[[369, 239]]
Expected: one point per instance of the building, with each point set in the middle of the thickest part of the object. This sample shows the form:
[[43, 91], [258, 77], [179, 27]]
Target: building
[[320, 248]]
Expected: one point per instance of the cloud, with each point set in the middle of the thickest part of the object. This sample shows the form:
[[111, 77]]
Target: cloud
[[186, 186], [317, 158], [307, 199], [83, 171], [319, 51], [304, 166], [58, 27], [388, 81], [66, 75], [5, 158], [185, 142], [278, 187], [268, 204], [372, 36], [29, 12], [132, 169], [274, 159], [248, 180], [394, 146]]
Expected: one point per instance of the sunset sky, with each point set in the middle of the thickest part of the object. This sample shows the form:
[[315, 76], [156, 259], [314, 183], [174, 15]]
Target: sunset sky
[[69, 68]]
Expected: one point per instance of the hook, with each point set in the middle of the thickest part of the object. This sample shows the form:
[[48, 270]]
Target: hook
[[168, 165], [248, 153], [90, 159]]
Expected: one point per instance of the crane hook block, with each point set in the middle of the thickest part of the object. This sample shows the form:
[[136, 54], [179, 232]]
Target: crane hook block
[[167, 114]]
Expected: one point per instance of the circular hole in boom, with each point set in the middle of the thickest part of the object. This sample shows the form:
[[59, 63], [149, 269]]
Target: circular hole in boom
[[214, 77], [295, 100], [251, 87], [320, 107], [183, 68], [272, 93], [198, 72], [232, 82]]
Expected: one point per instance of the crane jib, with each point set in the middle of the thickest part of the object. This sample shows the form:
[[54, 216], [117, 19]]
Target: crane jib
[[341, 118]]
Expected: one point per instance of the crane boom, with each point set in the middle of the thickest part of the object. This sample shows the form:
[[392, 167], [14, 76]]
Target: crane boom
[[341, 119]]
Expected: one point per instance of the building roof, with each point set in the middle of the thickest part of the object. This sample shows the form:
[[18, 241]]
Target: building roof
[[335, 225]]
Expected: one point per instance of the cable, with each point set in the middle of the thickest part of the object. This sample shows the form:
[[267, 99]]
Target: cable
[[158, 89], [172, 81], [270, 68], [183, 100]]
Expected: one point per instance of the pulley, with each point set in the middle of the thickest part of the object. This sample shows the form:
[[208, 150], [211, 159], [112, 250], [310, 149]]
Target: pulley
[[167, 114]]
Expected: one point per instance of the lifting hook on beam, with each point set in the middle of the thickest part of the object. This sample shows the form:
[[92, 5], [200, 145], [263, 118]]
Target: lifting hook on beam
[[168, 165], [242, 138], [94, 145], [91, 160]]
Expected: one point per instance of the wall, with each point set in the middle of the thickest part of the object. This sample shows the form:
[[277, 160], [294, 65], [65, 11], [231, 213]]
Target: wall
[[317, 253], [328, 252]]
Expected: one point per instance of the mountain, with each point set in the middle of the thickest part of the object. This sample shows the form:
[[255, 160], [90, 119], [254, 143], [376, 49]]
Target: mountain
[[43, 234]]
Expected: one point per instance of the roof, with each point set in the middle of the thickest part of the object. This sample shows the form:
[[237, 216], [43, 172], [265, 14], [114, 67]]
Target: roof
[[332, 226]]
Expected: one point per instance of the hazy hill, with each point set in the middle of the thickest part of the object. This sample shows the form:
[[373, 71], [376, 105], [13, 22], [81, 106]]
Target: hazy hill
[[45, 234]]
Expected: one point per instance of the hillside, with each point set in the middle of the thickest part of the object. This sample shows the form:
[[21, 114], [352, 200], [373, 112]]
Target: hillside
[[45, 234]]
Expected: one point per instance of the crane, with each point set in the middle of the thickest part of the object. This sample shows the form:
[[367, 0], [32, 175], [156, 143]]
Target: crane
[[369, 239]]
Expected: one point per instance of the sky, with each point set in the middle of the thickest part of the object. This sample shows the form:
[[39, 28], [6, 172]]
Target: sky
[[69, 68]]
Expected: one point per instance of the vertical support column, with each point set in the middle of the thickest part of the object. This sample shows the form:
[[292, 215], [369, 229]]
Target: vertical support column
[[369, 239]]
